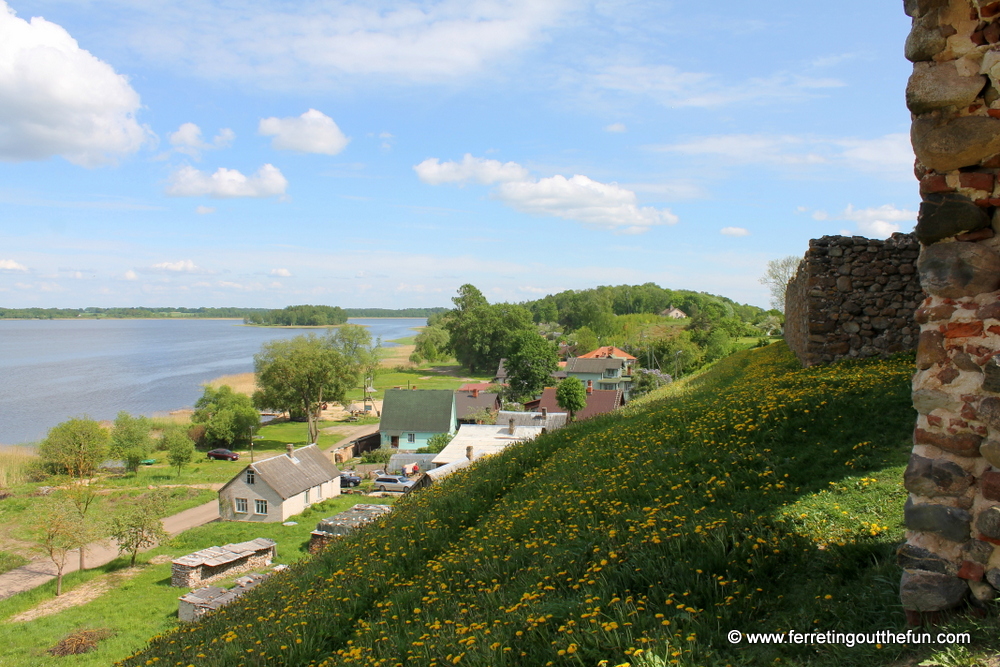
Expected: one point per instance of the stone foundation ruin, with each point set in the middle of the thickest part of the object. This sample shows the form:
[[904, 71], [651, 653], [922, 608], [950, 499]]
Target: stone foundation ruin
[[215, 563]]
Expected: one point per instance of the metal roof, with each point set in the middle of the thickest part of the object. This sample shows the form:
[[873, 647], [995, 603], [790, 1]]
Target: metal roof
[[417, 410], [484, 439]]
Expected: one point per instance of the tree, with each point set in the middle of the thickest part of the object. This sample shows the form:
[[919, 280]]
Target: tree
[[480, 334], [83, 497], [436, 443], [228, 416], [586, 341], [56, 533], [530, 364], [76, 446], [137, 526], [647, 380], [779, 272], [302, 373], [571, 396], [130, 440], [431, 345], [180, 449]]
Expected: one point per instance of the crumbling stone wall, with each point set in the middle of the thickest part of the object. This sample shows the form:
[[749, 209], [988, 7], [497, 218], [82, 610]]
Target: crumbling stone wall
[[953, 511], [853, 297]]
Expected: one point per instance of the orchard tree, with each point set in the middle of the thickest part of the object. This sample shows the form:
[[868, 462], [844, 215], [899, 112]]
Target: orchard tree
[[180, 449], [76, 446], [137, 526], [302, 373], [531, 361], [571, 396], [228, 417], [130, 440], [55, 533]]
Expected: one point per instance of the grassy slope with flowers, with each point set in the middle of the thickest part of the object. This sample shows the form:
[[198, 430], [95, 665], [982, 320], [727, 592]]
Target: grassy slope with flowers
[[758, 496]]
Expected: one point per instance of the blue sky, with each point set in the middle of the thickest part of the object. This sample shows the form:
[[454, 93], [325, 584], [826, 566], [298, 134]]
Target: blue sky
[[267, 153]]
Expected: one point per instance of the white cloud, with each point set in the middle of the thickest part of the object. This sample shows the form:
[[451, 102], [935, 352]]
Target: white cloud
[[312, 132], [190, 182], [734, 231], [879, 221], [131, 275], [187, 139], [182, 266], [319, 43], [11, 265], [58, 99], [284, 273], [615, 127], [481, 170], [604, 205], [889, 156], [204, 210]]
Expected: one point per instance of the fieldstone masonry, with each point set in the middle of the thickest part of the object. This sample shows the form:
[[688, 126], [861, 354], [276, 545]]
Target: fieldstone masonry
[[853, 297], [953, 511]]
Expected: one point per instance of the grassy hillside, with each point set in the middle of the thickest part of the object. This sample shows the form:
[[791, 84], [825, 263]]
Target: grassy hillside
[[756, 497]]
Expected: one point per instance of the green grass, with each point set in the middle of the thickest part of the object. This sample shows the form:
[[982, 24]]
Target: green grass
[[144, 605], [9, 561], [423, 377], [757, 496]]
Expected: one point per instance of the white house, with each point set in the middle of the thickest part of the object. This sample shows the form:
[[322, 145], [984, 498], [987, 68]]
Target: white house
[[279, 487]]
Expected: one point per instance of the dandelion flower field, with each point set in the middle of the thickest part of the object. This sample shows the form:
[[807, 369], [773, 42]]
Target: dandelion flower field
[[758, 496]]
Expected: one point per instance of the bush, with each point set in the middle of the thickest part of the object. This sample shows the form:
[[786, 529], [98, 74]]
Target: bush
[[380, 455]]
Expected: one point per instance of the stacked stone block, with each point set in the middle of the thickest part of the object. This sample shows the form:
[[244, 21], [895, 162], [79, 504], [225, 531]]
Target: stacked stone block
[[953, 511], [853, 297]]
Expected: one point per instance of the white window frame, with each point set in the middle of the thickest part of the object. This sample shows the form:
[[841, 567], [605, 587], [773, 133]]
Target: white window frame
[[259, 504], [307, 496], [251, 477], [241, 506], [411, 438], [319, 492]]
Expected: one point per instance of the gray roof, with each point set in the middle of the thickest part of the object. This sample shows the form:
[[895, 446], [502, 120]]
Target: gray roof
[[417, 410], [214, 556], [466, 403], [348, 520], [581, 365], [551, 421], [291, 475]]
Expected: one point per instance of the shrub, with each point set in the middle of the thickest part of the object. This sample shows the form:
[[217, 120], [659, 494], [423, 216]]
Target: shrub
[[380, 455]]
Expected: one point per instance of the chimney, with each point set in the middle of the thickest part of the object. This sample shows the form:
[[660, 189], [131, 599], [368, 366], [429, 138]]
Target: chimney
[[475, 393], [545, 413], [289, 448], [510, 426], [468, 452], [590, 386]]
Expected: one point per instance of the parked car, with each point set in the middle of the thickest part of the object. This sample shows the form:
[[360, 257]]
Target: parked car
[[223, 455], [348, 479], [393, 483]]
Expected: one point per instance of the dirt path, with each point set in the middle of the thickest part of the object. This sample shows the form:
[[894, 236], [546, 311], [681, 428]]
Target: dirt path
[[39, 571], [79, 595]]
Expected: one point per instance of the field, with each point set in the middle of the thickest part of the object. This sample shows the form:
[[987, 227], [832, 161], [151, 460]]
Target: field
[[757, 497]]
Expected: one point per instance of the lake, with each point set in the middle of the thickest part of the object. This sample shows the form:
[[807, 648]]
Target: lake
[[51, 370]]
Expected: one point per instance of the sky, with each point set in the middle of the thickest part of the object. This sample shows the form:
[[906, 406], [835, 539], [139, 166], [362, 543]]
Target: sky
[[265, 153]]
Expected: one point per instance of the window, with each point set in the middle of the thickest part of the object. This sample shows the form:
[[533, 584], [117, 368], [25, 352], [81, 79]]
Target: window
[[260, 506], [250, 476], [307, 496], [319, 492], [607, 385], [241, 505], [411, 437], [611, 372]]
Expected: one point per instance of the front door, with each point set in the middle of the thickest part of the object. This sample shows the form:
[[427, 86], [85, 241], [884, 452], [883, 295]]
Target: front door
[[395, 442]]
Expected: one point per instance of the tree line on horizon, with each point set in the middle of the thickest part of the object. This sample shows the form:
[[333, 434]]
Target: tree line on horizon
[[143, 312]]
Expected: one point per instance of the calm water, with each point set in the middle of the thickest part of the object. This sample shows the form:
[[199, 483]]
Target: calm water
[[54, 369]]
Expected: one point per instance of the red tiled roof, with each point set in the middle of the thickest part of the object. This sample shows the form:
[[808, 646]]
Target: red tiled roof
[[481, 386], [598, 402], [607, 351]]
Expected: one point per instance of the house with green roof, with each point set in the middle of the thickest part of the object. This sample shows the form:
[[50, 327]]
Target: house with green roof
[[411, 416]]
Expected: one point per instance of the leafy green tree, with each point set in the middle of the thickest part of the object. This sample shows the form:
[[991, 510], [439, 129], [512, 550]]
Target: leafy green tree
[[302, 373], [84, 497], [586, 341], [137, 526], [76, 446], [228, 417], [571, 396], [431, 345], [436, 443], [530, 364], [779, 272], [719, 344], [180, 449], [647, 380], [130, 440], [480, 334]]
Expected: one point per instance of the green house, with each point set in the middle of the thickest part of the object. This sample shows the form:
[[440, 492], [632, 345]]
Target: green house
[[411, 416]]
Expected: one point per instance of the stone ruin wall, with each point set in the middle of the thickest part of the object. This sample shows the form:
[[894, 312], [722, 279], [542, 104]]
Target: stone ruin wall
[[952, 514], [853, 297]]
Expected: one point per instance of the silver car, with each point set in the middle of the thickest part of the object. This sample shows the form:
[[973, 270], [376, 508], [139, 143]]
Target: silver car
[[393, 483]]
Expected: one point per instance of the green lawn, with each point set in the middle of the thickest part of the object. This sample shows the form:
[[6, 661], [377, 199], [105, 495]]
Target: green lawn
[[146, 604]]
